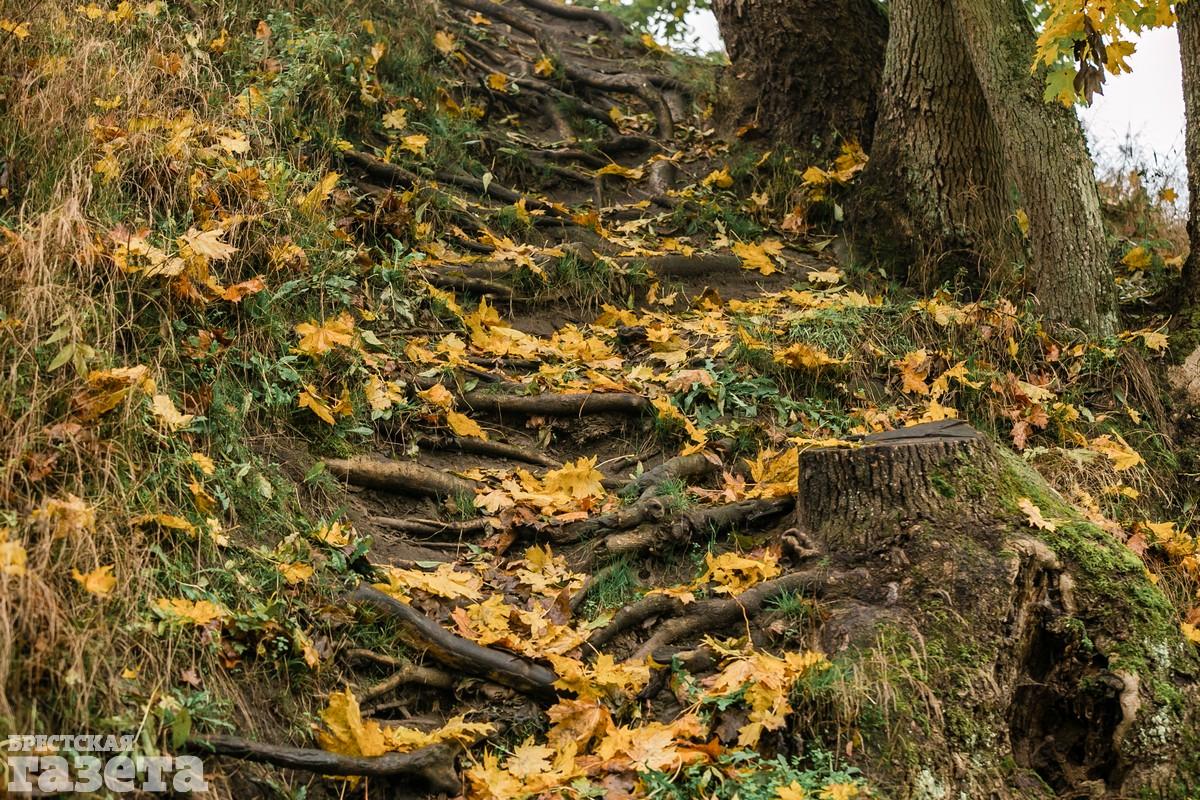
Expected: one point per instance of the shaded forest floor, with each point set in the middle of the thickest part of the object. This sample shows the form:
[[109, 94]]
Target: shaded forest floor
[[479, 317]]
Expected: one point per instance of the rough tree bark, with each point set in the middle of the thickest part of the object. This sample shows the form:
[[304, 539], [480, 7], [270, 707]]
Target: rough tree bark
[[924, 527], [933, 198], [1189, 52], [1043, 145], [807, 71]]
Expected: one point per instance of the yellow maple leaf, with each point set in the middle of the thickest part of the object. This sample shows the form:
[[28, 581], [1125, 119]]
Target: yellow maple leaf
[[629, 173], [311, 399], [914, 368], [1123, 456], [397, 119], [18, 29], [759, 256], [1034, 515], [445, 581], [164, 409], [196, 612], [578, 479], [544, 67], [205, 245], [13, 557], [719, 178], [775, 474], [437, 395], [1139, 257], [62, 517], [333, 535], [347, 733], [462, 425], [99, 581], [444, 42], [415, 143], [295, 572], [312, 201], [841, 791], [803, 355], [734, 573], [318, 338], [1190, 632], [793, 791], [204, 463], [497, 81]]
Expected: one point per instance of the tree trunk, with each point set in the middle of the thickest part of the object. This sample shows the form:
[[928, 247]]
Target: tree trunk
[[1189, 54], [806, 71], [1044, 148], [934, 197]]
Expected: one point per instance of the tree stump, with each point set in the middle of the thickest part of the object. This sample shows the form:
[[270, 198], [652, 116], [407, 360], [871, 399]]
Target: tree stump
[[858, 501]]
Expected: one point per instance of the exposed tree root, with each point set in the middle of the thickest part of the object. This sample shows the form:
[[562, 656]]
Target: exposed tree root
[[717, 519], [486, 447], [577, 13], [432, 527], [398, 476], [434, 765], [407, 674], [456, 652], [680, 266], [708, 615], [652, 605], [647, 509], [557, 405], [684, 468]]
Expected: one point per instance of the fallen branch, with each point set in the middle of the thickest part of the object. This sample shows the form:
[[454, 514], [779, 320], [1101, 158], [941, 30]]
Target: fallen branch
[[458, 653], [399, 476], [557, 405], [434, 764], [706, 616]]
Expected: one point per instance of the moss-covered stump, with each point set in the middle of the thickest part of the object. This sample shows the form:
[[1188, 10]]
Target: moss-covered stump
[[990, 658]]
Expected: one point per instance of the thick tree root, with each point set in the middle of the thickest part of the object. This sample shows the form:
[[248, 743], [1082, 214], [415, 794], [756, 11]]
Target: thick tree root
[[432, 527], [398, 476], [557, 405], [652, 605], [487, 447], [718, 519], [709, 615], [408, 674], [458, 653], [646, 510], [684, 468], [434, 765], [577, 13]]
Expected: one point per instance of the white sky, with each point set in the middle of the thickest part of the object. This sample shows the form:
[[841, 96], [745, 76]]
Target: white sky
[[1146, 104]]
